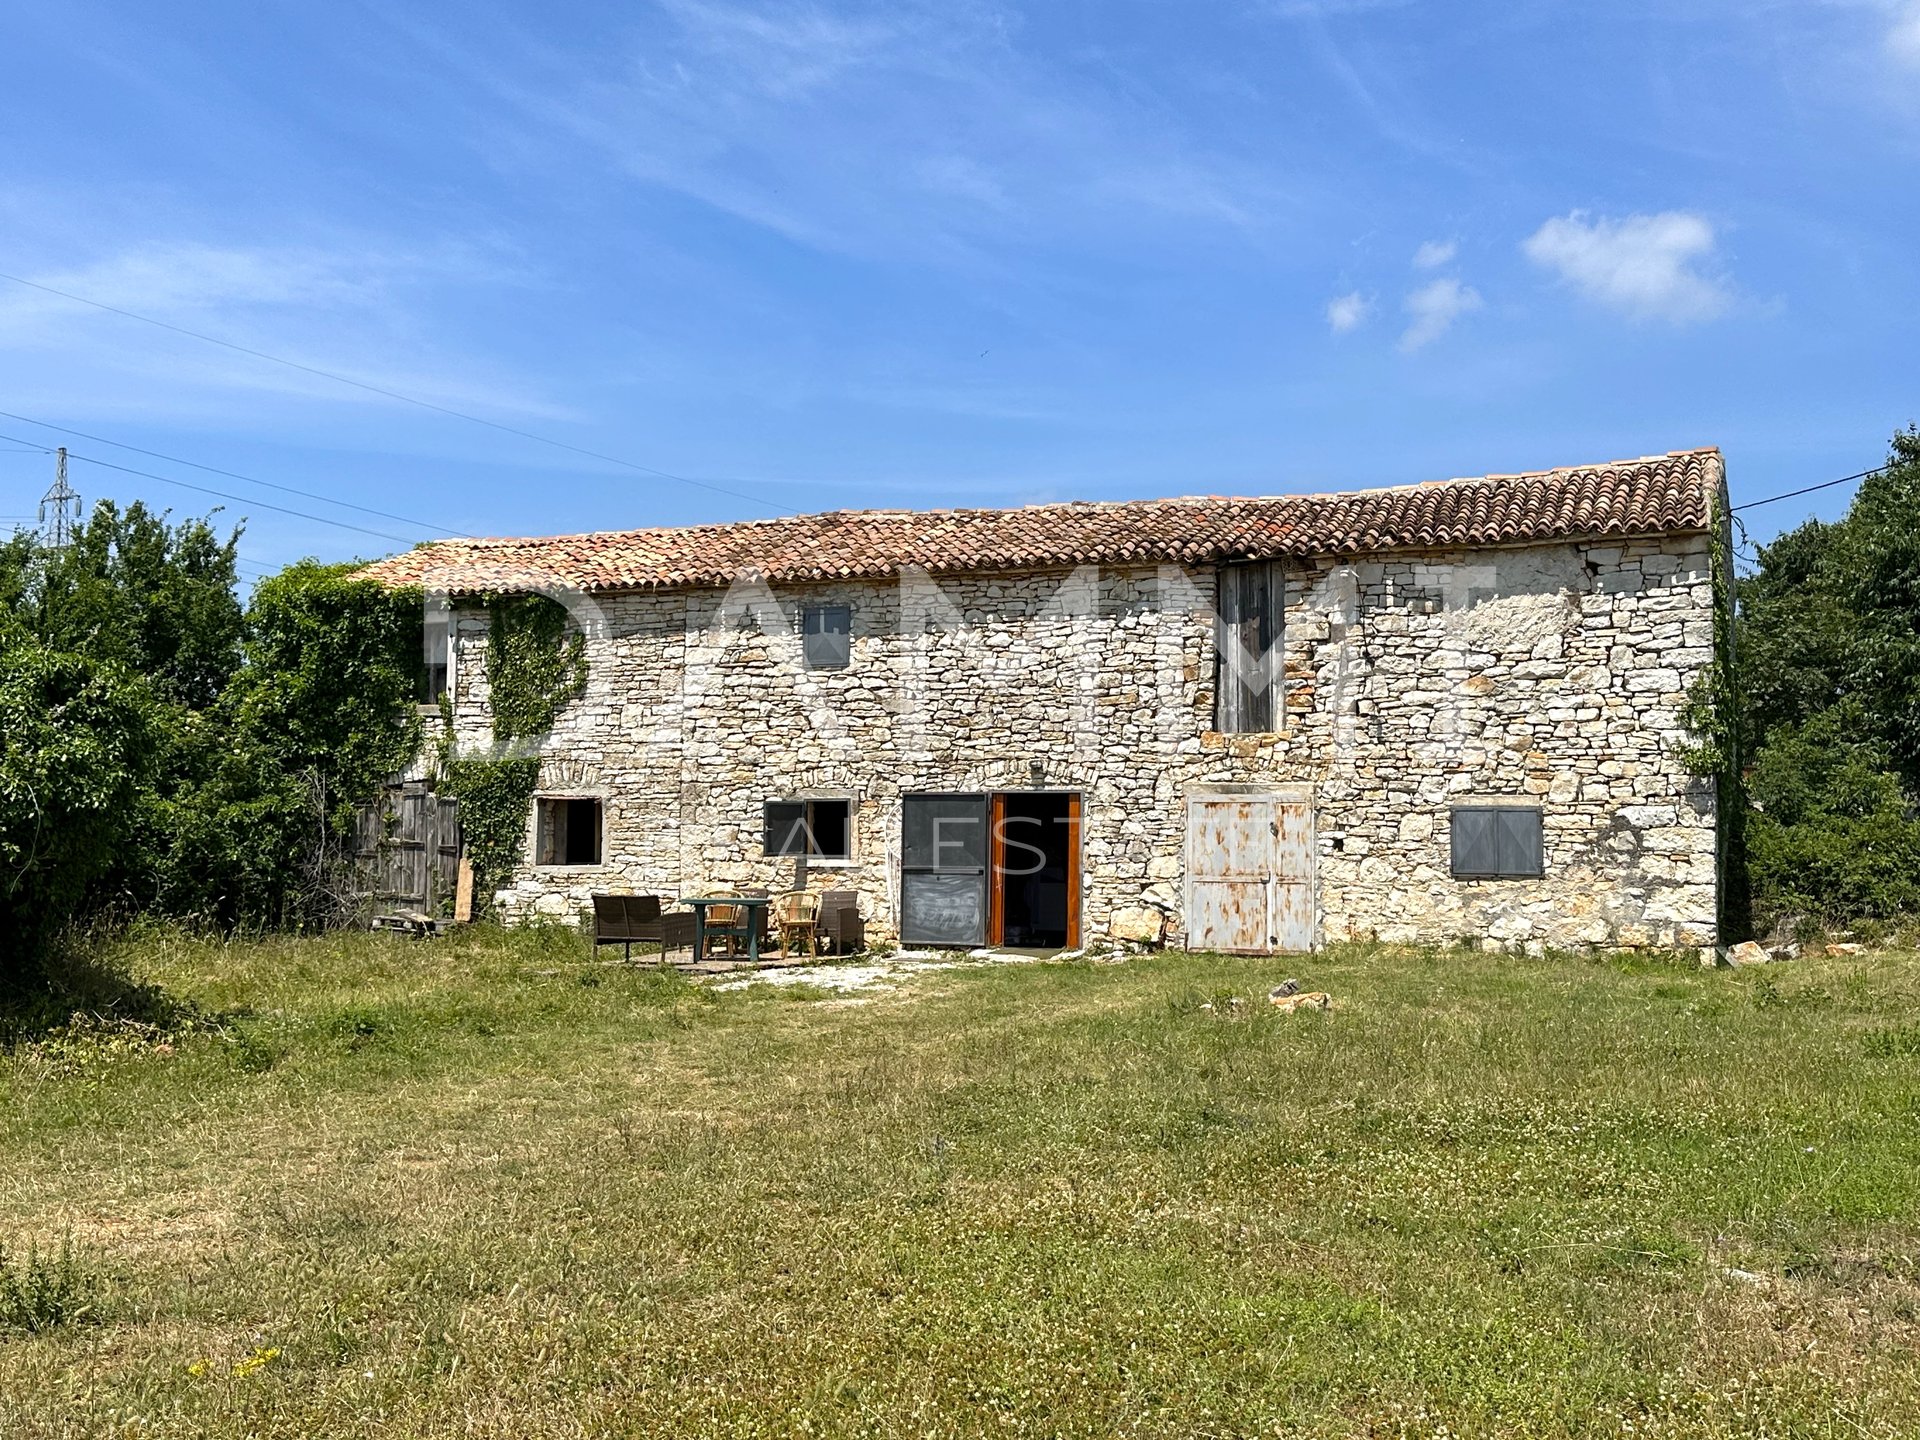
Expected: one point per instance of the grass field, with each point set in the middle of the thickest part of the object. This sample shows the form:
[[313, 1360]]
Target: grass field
[[490, 1187]]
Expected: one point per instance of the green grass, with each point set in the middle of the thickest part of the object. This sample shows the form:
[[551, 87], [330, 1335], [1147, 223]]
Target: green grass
[[487, 1186]]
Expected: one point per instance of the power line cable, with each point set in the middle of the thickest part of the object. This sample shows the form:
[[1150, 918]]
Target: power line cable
[[394, 394], [238, 499], [236, 475], [1823, 485]]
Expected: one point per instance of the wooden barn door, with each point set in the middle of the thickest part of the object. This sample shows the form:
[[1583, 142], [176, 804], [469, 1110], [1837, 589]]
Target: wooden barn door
[[408, 849], [1249, 874]]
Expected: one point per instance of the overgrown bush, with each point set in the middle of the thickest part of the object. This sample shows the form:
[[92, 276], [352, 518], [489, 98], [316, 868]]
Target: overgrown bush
[[1832, 835], [167, 752], [76, 746], [40, 1291], [1828, 677]]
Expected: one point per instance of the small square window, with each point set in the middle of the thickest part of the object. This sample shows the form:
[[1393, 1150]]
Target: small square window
[[1497, 842], [567, 831], [826, 632], [818, 829]]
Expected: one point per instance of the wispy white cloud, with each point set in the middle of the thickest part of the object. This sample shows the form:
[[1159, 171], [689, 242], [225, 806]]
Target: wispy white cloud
[[915, 130], [1432, 310], [1644, 266], [1435, 253], [1903, 39], [1347, 313], [353, 310]]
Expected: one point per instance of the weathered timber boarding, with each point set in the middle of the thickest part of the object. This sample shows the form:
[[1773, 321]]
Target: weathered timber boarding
[[1433, 712], [407, 849]]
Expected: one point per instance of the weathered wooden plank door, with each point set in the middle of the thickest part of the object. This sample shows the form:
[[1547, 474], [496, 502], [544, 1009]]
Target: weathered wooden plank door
[[1249, 874], [408, 846]]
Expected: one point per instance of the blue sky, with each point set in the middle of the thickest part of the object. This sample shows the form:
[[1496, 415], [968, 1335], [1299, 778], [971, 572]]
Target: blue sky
[[837, 255]]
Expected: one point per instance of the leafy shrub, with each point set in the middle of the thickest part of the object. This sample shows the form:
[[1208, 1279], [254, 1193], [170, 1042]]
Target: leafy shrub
[[1893, 1042], [1832, 835], [39, 1292], [75, 745]]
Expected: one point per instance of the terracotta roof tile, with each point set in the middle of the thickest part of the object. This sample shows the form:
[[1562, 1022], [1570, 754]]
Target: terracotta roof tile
[[1656, 495]]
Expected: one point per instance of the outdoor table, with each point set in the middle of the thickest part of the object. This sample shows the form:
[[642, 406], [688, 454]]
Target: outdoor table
[[749, 929]]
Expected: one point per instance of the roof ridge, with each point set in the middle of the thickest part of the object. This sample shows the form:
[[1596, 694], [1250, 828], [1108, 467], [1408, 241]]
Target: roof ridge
[[976, 510], [1653, 494]]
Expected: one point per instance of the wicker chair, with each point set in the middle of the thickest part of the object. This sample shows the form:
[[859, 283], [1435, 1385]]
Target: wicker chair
[[840, 922], [725, 924], [799, 920]]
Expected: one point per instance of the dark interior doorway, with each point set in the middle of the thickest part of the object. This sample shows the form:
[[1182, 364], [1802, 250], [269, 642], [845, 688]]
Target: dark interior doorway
[[1035, 863]]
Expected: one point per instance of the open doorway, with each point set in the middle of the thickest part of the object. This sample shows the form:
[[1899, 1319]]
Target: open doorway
[[1036, 851], [991, 869]]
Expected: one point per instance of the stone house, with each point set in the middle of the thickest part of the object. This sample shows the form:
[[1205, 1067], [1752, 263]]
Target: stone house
[[1420, 713]]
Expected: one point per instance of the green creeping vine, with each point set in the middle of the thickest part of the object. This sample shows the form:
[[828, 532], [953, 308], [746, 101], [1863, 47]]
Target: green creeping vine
[[535, 669], [1712, 713]]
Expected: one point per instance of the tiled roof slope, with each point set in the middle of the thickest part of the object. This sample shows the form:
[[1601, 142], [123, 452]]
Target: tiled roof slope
[[1659, 494]]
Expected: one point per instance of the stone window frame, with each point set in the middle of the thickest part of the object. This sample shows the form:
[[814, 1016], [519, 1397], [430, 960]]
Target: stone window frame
[[851, 799], [540, 800]]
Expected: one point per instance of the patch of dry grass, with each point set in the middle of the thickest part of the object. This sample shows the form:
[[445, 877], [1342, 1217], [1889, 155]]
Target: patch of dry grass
[[490, 1187]]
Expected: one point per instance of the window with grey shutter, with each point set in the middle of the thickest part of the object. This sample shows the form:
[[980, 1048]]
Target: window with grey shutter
[[1250, 609], [822, 829], [784, 827], [826, 632], [1497, 842]]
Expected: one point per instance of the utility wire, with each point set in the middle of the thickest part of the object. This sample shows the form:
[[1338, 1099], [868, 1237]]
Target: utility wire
[[1823, 485], [394, 394], [235, 475], [238, 499]]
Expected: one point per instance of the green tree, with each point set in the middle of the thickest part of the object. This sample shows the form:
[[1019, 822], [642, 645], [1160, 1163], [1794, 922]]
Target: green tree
[[331, 672], [1833, 835], [75, 751], [1828, 669]]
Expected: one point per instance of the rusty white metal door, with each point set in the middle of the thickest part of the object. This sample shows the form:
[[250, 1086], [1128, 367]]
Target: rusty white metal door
[[1249, 874]]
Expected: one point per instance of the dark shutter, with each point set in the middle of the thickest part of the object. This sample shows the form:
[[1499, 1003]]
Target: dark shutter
[[943, 865], [1498, 842], [1246, 669], [1475, 851], [784, 831], [827, 635], [1519, 846]]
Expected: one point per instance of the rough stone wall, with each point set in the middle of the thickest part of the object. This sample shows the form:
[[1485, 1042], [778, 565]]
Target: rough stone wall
[[1548, 673]]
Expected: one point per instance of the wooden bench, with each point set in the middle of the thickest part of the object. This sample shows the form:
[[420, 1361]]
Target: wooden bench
[[627, 920]]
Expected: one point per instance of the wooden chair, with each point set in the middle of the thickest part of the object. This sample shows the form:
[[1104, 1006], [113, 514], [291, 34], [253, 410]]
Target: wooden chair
[[626, 920], [726, 926], [840, 921], [799, 919]]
